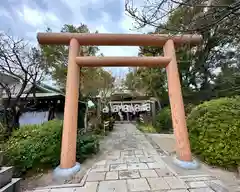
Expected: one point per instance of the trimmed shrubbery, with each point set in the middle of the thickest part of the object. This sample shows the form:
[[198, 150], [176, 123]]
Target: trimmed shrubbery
[[164, 120], [188, 108], [86, 146], [214, 130], [37, 146]]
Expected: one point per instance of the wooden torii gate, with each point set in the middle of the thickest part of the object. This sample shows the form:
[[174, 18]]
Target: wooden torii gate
[[75, 40]]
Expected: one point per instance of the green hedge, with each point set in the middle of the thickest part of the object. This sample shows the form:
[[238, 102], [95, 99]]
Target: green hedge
[[214, 130], [188, 108], [164, 120], [38, 146], [86, 146]]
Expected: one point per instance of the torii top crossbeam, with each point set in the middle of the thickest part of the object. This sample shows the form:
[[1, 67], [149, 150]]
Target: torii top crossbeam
[[116, 39]]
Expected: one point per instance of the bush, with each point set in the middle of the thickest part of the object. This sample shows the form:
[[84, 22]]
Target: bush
[[214, 130], [39, 146], [164, 120], [146, 128], [34, 146], [188, 108], [111, 123], [86, 146], [99, 129]]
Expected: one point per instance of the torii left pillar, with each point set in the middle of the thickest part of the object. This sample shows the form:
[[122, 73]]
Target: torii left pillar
[[68, 165]]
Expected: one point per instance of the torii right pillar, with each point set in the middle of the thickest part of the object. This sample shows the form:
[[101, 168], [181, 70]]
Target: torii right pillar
[[184, 157]]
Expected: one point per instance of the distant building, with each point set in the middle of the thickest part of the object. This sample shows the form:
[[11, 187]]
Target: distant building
[[38, 103], [9, 80], [127, 104]]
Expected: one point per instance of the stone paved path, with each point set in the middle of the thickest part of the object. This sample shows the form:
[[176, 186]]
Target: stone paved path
[[136, 166]]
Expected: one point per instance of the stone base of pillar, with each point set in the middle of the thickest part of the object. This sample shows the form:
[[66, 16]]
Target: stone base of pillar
[[186, 164], [60, 174]]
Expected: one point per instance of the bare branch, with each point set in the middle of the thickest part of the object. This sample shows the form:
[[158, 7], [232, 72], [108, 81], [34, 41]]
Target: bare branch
[[21, 61], [157, 13]]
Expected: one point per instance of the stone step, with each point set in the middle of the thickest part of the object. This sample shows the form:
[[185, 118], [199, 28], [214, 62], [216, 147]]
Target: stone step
[[13, 186], [5, 175]]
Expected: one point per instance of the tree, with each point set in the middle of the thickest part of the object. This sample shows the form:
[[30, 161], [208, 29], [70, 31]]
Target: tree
[[198, 15], [227, 82], [57, 57], [151, 81], [23, 63], [105, 80], [215, 21], [96, 80]]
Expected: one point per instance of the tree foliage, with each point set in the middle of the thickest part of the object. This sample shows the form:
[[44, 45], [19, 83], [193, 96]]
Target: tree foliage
[[150, 81], [92, 79], [208, 69]]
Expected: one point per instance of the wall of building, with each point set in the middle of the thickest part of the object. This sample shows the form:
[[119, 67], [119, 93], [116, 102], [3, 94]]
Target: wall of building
[[37, 117]]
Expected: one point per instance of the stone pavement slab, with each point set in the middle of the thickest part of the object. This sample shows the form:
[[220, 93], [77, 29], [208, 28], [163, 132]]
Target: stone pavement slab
[[158, 183], [89, 187], [164, 172], [96, 176], [112, 175], [100, 168], [146, 159], [118, 167], [129, 174], [148, 173], [196, 184], [138, 184], [157, 165], [136, 166], [113, 186], [175, 183]]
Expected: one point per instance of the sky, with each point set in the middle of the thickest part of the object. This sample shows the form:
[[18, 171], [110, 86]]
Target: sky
[[24, 18]]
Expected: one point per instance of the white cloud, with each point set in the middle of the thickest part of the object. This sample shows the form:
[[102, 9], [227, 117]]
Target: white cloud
[[42, 20], [39, 20], [106, 18], [127, 24], [4, 12]]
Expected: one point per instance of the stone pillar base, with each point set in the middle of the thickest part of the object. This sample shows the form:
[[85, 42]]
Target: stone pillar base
[[61, 174], [186, 164]]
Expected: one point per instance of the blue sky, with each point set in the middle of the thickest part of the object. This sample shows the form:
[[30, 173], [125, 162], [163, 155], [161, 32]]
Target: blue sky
[[24, 18]]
